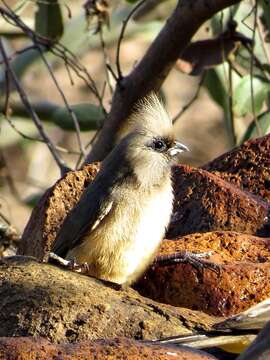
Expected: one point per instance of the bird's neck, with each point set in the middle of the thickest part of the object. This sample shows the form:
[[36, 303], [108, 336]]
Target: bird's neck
[[151, 177]]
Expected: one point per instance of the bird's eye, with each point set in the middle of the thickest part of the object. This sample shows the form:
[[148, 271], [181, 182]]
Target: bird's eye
[[159, 145]]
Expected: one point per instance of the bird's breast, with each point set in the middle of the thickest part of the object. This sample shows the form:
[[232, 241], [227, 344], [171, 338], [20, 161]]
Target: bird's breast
[[154, 217]]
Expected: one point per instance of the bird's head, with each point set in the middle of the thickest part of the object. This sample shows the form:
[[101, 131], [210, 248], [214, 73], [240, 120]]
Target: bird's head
[[152, 147]]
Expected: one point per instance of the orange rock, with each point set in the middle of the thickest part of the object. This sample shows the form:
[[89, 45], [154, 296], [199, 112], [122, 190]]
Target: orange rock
[[244, 277], [49, 214], [28, 348], [225, 246], [247, 166], [204, 202]]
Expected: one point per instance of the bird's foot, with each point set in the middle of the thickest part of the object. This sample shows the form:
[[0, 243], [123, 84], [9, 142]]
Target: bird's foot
[[69, 264], [83, 269], [187, 257]]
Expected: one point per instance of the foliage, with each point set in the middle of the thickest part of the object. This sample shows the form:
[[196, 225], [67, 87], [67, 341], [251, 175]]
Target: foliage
[[233, 64]]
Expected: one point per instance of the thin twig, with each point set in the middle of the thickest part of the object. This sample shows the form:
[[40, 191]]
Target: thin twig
[[191, 101], [69, 74], [258, 128], [230, 107], [57, 49], [71, 112], [19, 52], [61, 164], [106, 60], [256, 61], [121, 36], [261, 35], [31, 138], [110, 69], [6, 220], [243, 21], [7, 93]]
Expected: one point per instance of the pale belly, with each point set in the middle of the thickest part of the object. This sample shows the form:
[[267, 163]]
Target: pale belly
[[131, 241], [150, 232]]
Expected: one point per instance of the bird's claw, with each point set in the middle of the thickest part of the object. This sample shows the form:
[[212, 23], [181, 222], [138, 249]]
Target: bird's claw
[[69, 264], [187, 257]]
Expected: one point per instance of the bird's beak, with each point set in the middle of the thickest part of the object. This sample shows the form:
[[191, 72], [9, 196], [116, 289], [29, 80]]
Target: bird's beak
[[177, 148]]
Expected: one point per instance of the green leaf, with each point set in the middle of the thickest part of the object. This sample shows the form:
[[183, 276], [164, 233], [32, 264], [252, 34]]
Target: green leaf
[[264, 124], [48, 20], [23, 61], [89, 117], [220, 20], [20, 5], [215, 83], [266, 12], [33, 199], [216, 89], [19, 65], [9, 136], [243, 95]]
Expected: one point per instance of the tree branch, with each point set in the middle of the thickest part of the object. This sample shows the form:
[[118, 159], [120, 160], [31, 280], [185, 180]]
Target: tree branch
[[59, 161], [154, 67]]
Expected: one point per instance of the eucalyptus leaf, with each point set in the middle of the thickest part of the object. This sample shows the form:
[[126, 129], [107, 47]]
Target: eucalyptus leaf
[[215, 82], [20, 5], [220, 20], [48, 20], [243, 95], [216, 89], [33, 199], [266, 12], [89, 117], [264, 126], [9, 136], [23, 61]]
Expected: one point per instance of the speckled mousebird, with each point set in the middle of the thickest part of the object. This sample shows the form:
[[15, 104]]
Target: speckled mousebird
[[121, 218]]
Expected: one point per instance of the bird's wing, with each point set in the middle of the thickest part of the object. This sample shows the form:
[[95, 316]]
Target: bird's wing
[[103, 212], [84, 218]]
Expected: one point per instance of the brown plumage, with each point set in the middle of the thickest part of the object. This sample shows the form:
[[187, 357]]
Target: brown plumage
[[121, 218]]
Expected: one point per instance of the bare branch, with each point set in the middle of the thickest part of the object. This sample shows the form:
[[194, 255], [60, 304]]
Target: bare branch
[[71, 112], [32, 113], [31, 138], [55, 48], [255, 14], [154, 67], [106, 61], [230, 107], [191, 101], [121, 36]]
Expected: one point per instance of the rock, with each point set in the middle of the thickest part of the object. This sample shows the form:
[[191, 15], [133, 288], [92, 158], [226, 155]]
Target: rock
[[243, 281], [51, 211], [205, 202], [247, 166], [42, 300], [28, 348]]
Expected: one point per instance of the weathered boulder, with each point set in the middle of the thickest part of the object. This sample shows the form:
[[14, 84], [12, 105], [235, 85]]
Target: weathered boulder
[[29, 348], [50, 212], [247, 166], [42, 300], [242, 281], [205, 202]]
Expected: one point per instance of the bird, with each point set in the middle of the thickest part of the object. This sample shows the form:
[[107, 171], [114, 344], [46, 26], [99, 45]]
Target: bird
[[121, 218]]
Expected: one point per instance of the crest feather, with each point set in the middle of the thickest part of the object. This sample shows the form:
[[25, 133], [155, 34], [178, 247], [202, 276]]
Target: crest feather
[[150, 116]]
